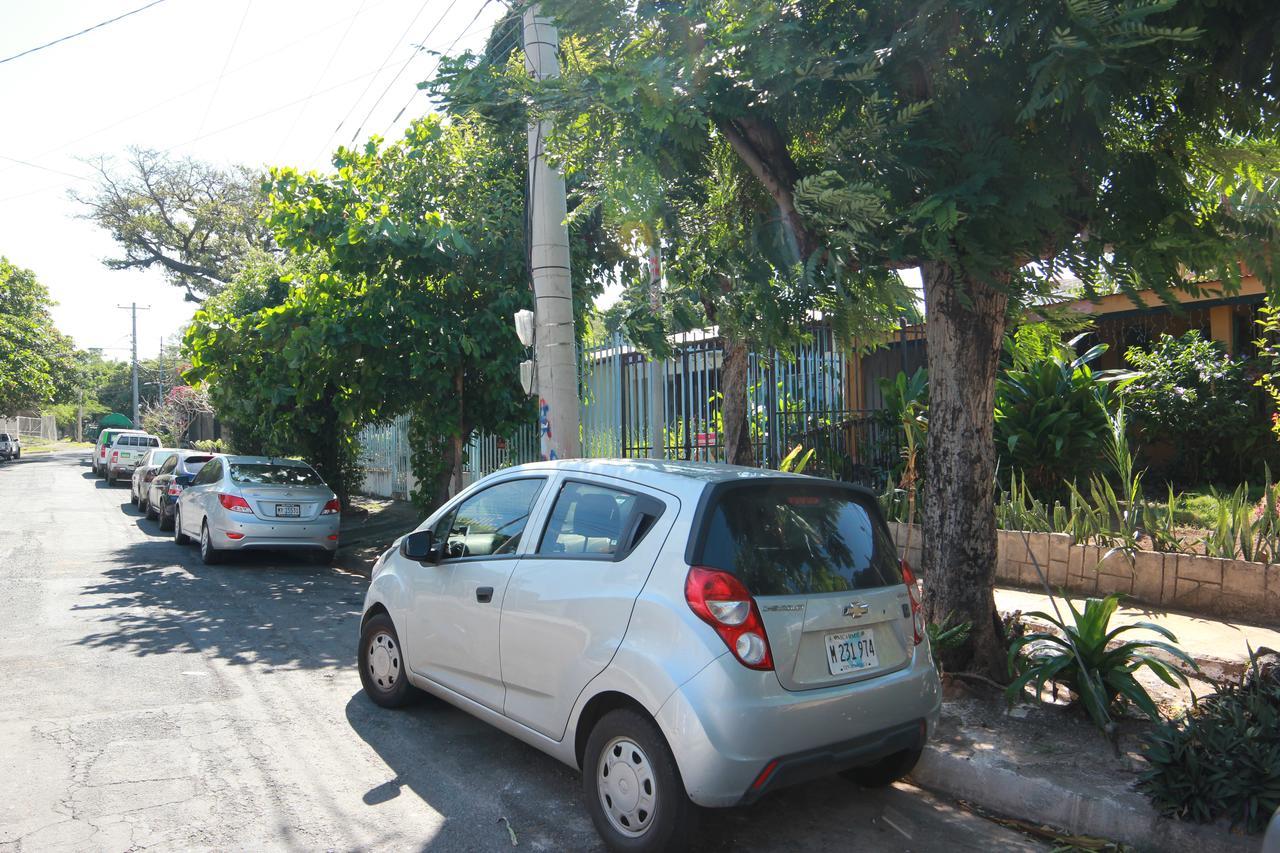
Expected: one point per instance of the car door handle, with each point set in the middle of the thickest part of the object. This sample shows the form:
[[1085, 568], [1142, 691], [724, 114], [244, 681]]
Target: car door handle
[[484, 594]]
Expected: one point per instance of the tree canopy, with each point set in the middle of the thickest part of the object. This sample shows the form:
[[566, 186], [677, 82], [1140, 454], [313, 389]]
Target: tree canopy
[[37, 366]]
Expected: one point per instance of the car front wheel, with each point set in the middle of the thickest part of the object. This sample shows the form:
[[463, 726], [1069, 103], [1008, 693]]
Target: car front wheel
[[382, 664], [634, 792]]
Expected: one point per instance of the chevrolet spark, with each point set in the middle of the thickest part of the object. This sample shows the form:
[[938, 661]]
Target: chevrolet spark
[[687, 635]]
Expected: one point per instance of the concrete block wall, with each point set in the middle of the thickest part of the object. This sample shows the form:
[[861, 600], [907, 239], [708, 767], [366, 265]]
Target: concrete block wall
[[1229, 589]]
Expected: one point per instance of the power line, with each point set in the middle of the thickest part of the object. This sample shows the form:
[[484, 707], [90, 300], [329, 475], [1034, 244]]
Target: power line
[[319, 79], [31, 50], [217, 86], [440, 60], [421, 45], [43, 168], [385, 61]]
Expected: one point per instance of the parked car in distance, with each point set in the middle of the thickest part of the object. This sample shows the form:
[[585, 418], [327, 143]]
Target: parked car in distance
[[102, 446], [171, 478], [241, 503], [127, 452], [685, 634], [10, 446], [140, 482]]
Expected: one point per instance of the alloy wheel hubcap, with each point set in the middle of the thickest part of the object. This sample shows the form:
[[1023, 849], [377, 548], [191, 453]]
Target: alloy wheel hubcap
[[384, 660], [628, 790]]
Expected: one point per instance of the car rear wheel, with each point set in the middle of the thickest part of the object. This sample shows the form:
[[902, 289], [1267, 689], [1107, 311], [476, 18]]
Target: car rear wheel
[[886, 771], [111, 479], [635, 795], [179, 538], [209, 555], [382, 665], [166, 521], [323, 558], [133, 498], [149, 510]]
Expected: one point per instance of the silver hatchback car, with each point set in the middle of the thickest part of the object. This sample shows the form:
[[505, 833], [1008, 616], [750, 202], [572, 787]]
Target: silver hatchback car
[[241, 503], [685, 634]]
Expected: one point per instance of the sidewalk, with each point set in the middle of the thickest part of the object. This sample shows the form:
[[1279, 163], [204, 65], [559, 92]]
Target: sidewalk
[[369, 526], [1045, 766]]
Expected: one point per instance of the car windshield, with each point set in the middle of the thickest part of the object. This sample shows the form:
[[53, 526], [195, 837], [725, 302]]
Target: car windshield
[[798, 539], [273, 474]]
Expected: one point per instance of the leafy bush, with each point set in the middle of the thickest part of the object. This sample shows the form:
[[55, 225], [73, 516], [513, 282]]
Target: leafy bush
[[1244, 529], [1051, 417], [1076, 656], [904, 418], [211, 445], [1204, 404], [1222, 758]]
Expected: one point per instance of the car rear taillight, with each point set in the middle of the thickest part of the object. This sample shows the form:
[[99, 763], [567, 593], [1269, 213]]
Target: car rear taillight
[[235, 503], [174, 490], [917, 612], [115, 455], [723, 602], [331, 507]]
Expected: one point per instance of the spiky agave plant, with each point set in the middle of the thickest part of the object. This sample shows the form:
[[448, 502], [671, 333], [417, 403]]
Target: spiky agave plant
[[1079, 656]]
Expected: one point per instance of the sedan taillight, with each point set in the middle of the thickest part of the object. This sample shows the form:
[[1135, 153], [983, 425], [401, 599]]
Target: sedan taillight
[[917, 612], [723, 602], [331, 507], [235, 503], [174, 490]]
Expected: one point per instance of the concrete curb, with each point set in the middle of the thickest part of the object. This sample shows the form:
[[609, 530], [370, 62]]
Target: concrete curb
[[1128, 819]]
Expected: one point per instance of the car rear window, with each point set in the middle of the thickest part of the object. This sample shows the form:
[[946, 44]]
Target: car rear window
[[273, 474], [797, 539]]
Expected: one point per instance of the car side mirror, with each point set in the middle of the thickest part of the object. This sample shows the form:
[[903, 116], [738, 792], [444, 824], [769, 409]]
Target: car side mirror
[[420, 546]]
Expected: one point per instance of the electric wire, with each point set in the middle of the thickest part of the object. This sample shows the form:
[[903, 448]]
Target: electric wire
[[421, 46], [86, 30], [217, 86]]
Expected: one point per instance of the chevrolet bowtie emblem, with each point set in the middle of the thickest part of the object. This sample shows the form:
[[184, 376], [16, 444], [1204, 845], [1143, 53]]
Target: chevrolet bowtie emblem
[[856, 609]]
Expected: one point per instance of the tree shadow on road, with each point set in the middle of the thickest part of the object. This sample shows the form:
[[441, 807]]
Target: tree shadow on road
[[261, 609]]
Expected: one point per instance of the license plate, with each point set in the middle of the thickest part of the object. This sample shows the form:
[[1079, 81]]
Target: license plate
[[851, 652], [288, 510]]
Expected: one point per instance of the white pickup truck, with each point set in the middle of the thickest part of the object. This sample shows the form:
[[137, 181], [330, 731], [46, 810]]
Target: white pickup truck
[[10, 446]]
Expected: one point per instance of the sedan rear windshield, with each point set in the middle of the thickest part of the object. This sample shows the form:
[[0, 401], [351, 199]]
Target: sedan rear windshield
[[273, 474], [797, 539]]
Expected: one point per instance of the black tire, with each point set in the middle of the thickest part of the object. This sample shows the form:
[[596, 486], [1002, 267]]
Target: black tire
[[142, 505], [323, 558], [111, 479], [886, 771], [381, 664], [209, 555], [179, 538], [149, 511], [133, 499], [674, 818], [165, 520]]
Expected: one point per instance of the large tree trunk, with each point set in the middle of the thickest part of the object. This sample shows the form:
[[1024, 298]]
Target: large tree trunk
[[966, 322], [733, 403]]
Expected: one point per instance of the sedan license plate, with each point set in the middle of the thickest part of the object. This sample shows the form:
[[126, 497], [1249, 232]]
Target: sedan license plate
[[851, 652], [288, 510]]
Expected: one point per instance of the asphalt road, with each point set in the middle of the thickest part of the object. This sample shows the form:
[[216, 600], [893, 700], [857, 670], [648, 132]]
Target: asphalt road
[[148, 701]]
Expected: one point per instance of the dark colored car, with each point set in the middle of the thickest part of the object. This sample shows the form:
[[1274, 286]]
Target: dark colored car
[[174, 475]]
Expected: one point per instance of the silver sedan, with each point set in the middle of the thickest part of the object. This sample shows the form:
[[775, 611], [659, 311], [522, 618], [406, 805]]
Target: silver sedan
[[241, 503], [139, 485]]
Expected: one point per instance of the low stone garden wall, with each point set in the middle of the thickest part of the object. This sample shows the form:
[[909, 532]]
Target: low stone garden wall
[[1230, 589]]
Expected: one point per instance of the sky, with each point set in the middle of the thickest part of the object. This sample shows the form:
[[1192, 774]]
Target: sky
[[258, 82]]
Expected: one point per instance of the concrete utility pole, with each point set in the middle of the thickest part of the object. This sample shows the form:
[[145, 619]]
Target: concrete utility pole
[[133, 307], [554, 346], [657, 369]]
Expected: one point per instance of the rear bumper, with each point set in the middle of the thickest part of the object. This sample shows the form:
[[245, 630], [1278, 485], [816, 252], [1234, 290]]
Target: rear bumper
[[318, 535], [727, 724]]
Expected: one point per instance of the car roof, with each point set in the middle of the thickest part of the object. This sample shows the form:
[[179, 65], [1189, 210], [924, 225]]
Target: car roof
[[262, 460], [671, 474]]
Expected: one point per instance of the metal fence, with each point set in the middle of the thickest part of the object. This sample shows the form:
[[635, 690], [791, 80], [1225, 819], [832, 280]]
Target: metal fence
[[45, 427], [795, 397]]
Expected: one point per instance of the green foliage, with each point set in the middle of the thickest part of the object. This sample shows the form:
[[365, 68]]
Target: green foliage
[[904, 415], [1243, 528], [36, 362], [1051, 412], [946, 635], [1222, 757], [1080, 656], [797, 460], [212, 445], [424, 263], [1203, 403]]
